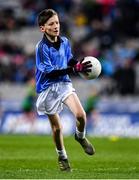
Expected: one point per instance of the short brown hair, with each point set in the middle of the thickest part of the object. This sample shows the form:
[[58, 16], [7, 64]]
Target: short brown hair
[[45, 15]]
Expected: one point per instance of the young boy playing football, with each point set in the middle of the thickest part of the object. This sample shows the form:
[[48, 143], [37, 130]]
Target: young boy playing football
[[54, 63]]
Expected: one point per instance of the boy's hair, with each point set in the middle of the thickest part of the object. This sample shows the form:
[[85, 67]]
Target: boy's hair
[[45, 15]]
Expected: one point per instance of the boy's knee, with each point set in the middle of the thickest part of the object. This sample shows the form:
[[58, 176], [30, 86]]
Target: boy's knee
[[81, 115]]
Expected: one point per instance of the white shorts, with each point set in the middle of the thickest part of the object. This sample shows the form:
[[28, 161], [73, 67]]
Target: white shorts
[[51, 100]]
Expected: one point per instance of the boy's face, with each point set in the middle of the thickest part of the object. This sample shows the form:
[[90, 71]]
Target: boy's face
[[51, 27]]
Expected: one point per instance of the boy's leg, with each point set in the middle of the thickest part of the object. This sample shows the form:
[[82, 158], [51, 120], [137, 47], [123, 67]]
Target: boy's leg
[[75, 106], [58, 140]]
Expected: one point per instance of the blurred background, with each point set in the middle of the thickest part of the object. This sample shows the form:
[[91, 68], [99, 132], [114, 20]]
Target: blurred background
[[106, 29]]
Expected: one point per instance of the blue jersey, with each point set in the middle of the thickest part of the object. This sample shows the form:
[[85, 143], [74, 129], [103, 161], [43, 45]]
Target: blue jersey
[[48, 59]]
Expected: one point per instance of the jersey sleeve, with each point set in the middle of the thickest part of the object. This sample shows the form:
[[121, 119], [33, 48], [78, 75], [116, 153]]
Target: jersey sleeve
[[43, 60]]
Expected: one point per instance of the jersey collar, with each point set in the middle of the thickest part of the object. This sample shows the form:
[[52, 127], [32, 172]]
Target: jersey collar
[[49, 43]]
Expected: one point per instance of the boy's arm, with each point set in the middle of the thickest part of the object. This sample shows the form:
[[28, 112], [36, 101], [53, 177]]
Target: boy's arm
[[75, 68]]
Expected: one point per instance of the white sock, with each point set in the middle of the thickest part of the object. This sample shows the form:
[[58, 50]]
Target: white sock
[[62, 153], [79, 134]]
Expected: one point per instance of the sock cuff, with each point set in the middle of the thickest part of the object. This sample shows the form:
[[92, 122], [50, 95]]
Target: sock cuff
[[62, 153], [80, 134]]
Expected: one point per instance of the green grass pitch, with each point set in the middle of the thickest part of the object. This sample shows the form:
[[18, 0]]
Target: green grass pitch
[[34, 157]]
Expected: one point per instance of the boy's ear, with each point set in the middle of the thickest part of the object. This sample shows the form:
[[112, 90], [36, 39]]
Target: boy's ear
[[42, 28]]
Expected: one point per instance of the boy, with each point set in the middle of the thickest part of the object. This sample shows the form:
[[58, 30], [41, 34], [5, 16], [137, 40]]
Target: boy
[[54, 63]]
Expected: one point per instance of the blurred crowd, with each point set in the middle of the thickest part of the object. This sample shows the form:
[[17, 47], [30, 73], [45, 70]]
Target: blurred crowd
[[106, 29]]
